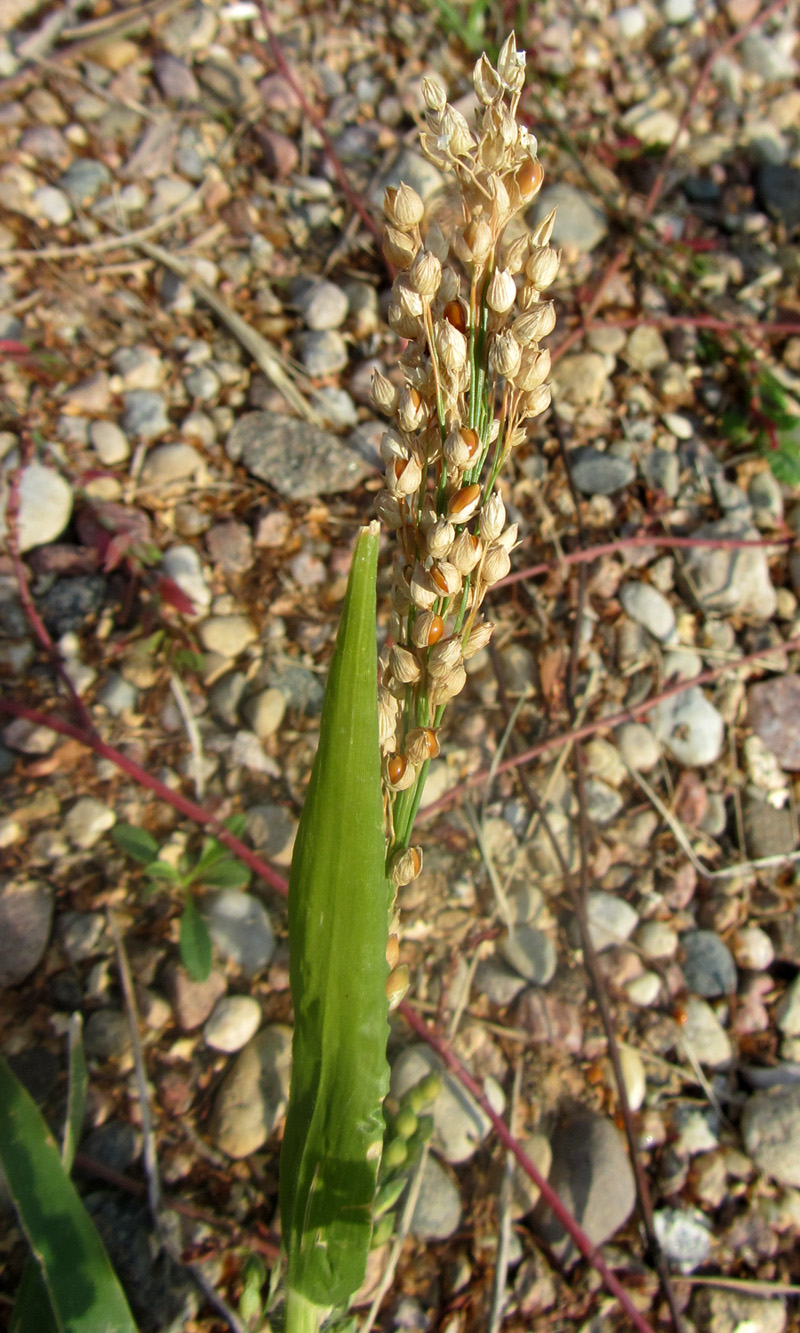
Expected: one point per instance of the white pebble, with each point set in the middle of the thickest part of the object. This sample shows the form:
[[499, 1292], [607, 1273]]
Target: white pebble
[[644, 990], [234, 1021], [633, 1075], [657, 940], [752, 948]]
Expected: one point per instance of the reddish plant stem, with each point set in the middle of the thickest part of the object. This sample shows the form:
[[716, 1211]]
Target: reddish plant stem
[[750, 323], [578, 1236], [607, 723], [589, 553]]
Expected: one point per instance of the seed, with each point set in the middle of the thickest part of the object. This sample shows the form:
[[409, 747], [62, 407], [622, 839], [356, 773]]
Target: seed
[[454, 314], [529, 176], [436, 630], [393, 951], [464, 503], [396, 767], [472, 441]]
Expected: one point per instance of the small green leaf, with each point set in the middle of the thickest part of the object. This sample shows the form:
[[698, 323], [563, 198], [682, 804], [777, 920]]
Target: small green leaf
[[188, 662], [135, 842], [236, 824], [76, 1092], [229, 874], [161, 870], [195, 941]]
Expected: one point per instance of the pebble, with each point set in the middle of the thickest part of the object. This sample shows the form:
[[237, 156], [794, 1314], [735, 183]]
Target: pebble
[[26, 911], [87, 821], [769, 55], [525, 1193], [630, 22], [604, 762], [532, 953], [323, 353], [705, 1036], [70, 603], [161, 1294], [684, 1235], [708, 965], [234, 1021], [230, 545], [241, 929], [299, 463], [182, 564], [652, 126], [752, 948], [725, 580], [773, 709], [770, 1128], [227, 635], [580, 380], [139, 367], [678, 11], [247, 752], [27, 737], [323, 306], [335, 406], [600, 474], [115, 1145], [690, 727], [661, 470], [649, 608], [721, 1311], [265, 712], [192, 1001], [787, 1014], [84, 179], [592, 1176], [638, 746], [202, 384], [769, 831], [460, 1126], [644, 990], [107, 1035], [437, 1212], [109, 443], [766, 498], [145, 416], [645, 349], [45, 507], [52, 205], [633, 1075], [253, 1097], [281, 155], [603, 803], [272, 830], [580, 223], [611, 920], [175, 79], [657, 940], [415, 170], [778, 188], [500, 983]]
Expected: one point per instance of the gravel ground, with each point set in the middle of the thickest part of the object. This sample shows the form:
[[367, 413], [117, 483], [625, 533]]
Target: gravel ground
[[191, 308]]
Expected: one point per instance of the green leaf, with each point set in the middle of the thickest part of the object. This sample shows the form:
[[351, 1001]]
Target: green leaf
[[135, 842], [83, 1289], [236, 824], [338, 927], [33, 1312], [76, 1092], [188, 661], [229, 874], [162, 870], [195, 941]]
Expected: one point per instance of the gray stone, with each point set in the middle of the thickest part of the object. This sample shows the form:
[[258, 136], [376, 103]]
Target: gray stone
[[721, 1311], [437, 1212], [265, 712], [460, 1125], [84, 179], [139, 367], [241, 929], [532, 953], [592, 1176], [225, 696], [690, 727], [202, 384], [684, 1235], [788, 1011], [580, 380], [175, 79], [500, 983], [107, 1035], [87, 821], [778, 189], [708, 965], [70, 603], [299, 461], [646, 349], [770, 1128], [230, 545], [145, 416], [650, 608], [83, 935], [182, 564], [766, 497], [109, 443], [161, 1294], [227, 635], [45, 506], [323, 353], [117, 695], [611, 920], [580, 223], [600, 474], [192, 1001], [272, 829], [335, 407], [52, 205], [769, 831], [661, 470], [26, 910], [657, 940], [726, 580], [323, 305], [773, 708], [115, 1144], [638, 746], [415, 170], [234, 1021], [769, 55], [525, 1193], [603, 803], [253, 1097], [705, 1036]]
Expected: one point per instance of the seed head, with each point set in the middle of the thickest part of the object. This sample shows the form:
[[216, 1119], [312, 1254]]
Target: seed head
[[451, 346], [543, 230], [493, 517], [465, 552], [428, 629], [502, 292], [425, 274], [536, 324], [433, 94], [422, 743], [384, 393], [399, 248], [406, 865], [440, 538], [403, 476], [397, 984], [463, 504], [411, 410], [480, 635], [441, 690], [423, 590], [486, 81], [505, 355], [496, 564], [443, 657], [457, 132], [387, 507], [537, 401], [542, 266], [404, 665], [534, 369], [403, 207], [398, 772]]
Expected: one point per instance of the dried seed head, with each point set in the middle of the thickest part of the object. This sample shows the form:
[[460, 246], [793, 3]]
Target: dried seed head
[[537, 401], [493, 517], [515, 255], [428, 629], [393, 951], [486, 81], [474, 243], [425, 274], [449, 287], [403, 476], [536, 324], [388, 712], [502, 292], [465, 552], [480, 635], [399, 248], [422, 743], [534, 369], [401, 323], [443, 657], [511, 64], [404, 665], [463, 504], [393, 446], [501, 199], [543, 230], [448, 687], [508, 539], [440, 538], [397, 985], [423, 590], [437, 243], [406, 865], [446, 578], [451, 346], [496, 564], [505, 355], [384, 393], [455, 313], [455, 129], [399, 773], [411, 410], [403, 207], [433, 94], [388, 510], [542, 266], [400, 595]]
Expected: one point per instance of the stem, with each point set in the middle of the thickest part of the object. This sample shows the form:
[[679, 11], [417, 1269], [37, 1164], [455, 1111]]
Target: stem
[[302, 1316]]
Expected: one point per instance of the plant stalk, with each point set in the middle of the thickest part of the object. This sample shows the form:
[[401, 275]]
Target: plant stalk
[[302, 1316]]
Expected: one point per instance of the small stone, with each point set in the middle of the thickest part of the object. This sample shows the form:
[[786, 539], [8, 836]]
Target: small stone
[[115, 1145], [230, 545], [281, 156], [657, 940], [638, 746], [684, 1235], [298, 461], [265, 712], [580, 380], [592, 1176], [661, 470], [227, 635], [45, 507], [600, 474], [787, 1014], [708, 965], [604, 762], [234, 1021], [778, 187], [192, 1001], [769, 831], [630, 22], [652, 126], [704, 1035], [87, 821], [253, 1097], [752, 948], [415, 170], [107, 1035], [532, 953], [650, 608], [500, 983], [646, 349], [175, 79], [525, 1193], [26, 910], [580, 223], [138, 367], [323, 306], [272, 829], [726, 580], [603, 803], [182, 564], [437, 1212], [27, 737], [644, 990], [690, 727], [766, 497], [109, 443], [240, 929], [145, 417], [633, 1075], [202, 384], [52, 205], [773, 708], [678, 12], [323, 353], [611, 920], [84, 179], [770, 1127], [722, 1311], [460, 1126]]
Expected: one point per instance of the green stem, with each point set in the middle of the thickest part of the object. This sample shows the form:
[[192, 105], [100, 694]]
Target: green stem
[[302, 1316]]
